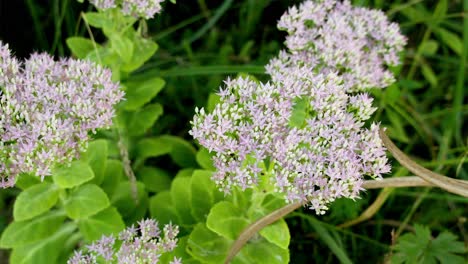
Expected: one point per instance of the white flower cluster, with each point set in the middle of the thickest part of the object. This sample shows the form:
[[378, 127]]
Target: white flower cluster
[[47, 108], [137, 8], [305, 129]]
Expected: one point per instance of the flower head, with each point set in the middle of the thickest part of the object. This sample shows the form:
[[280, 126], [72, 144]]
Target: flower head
[[138, 245], [330, 35], [47, 108], [305, 129], [137, 8]]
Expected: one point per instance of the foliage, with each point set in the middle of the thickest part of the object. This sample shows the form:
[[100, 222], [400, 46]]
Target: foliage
[[147, 165], [421, 247]]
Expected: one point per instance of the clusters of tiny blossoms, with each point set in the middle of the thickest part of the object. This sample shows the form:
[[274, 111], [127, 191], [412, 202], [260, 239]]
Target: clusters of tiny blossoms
[[305, 129], [329, 35], [47, 108], [143, 245], [137, 8]]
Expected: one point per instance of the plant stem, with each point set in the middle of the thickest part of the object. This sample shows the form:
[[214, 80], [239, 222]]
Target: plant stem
[[425, 178]]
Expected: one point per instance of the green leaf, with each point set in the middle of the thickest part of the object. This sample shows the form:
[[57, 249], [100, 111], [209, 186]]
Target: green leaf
[[429, 74], [206, 246], [24, 181], [97, 20], [80, 47], [122, 46], [204, 194], [162, 208], [392, 94], [45, 251], [185, 172], [277, 233], [450, 39], [105, 56], [204, 159], [226, 220], [429, 47], [241, 199], [420, 247], [299, 113], [139, 93], [181, 198], [35, 201], [113, 176], [182, 152], [123, 199], [69, 246], [155, 179], [106, 222], [96, 156], [85, 201], [213, 100], [411, 84], [262, 252], [21, 233], [153, 147], [138, 122], [76, 174], [144, 50]]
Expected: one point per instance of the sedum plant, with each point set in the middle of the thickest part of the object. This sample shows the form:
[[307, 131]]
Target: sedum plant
[[47, 109], [144, 244], [303, 134]]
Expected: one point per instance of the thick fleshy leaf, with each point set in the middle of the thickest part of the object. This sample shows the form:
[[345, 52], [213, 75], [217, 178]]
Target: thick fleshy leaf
[[153, 147], [182, 152], [204, 194], [181, 198], [113, 176], [35, 201], [144, 49], [45, 251], [138, 122], [138, 93], [97, 20], [96, 156], [155, 179], [106, 222], [277, 233], [24, 181], [206, 246], [80, 47], [21, 233], [299, 113], [162, 208], [262, 252], [122, 46], [76, 174], [124, 200], [204, 159], [226, 220], [87, 200]]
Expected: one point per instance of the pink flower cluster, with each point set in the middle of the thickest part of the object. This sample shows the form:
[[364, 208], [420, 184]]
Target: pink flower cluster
[[304, 131], [47, 108], [138, 245], [137, 8]]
